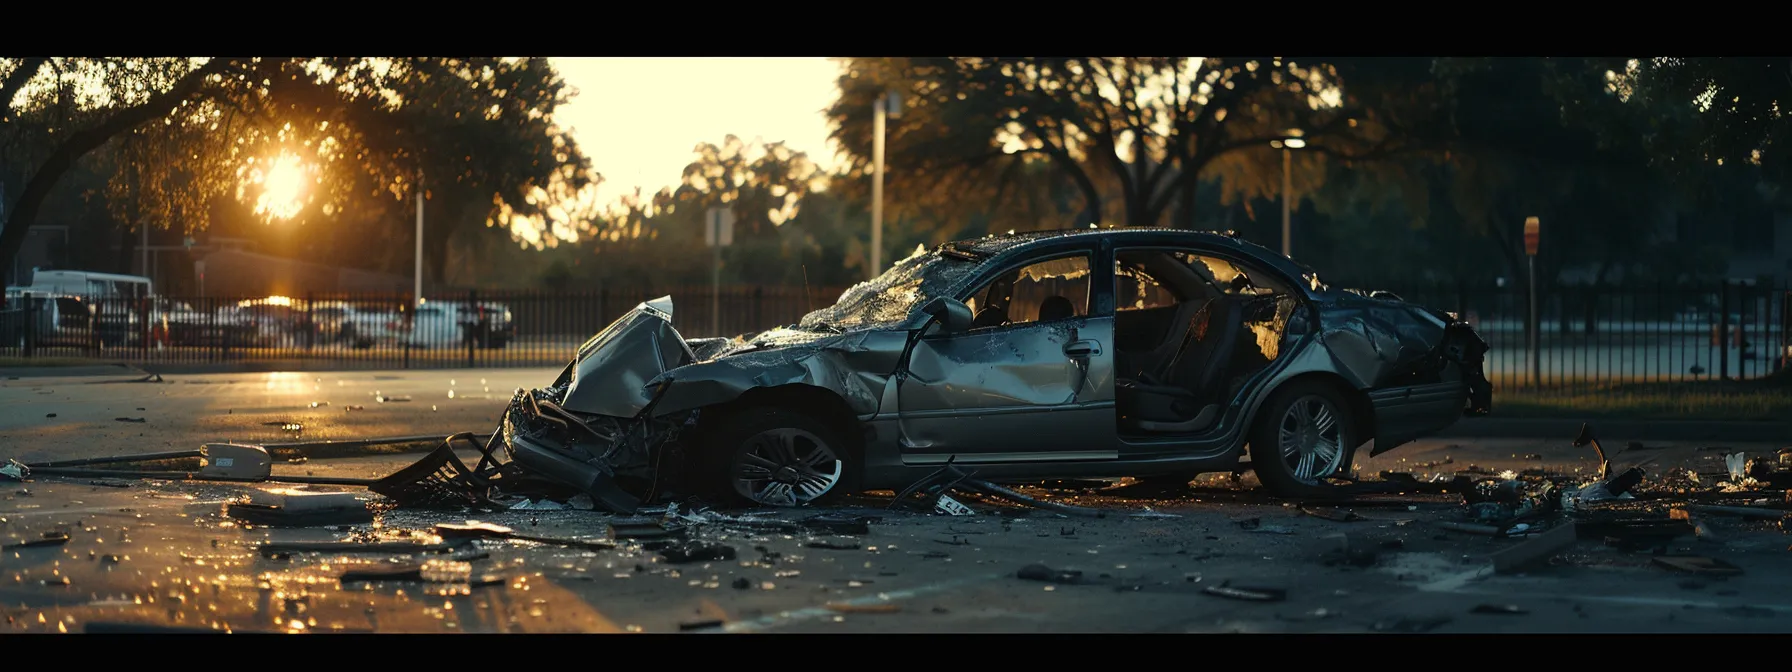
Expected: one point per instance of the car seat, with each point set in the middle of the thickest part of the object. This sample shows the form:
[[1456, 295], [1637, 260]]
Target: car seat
[[1171, 399], [1056, 308]]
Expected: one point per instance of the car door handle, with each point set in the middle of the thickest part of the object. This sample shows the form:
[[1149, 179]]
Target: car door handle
[[1083, 348]]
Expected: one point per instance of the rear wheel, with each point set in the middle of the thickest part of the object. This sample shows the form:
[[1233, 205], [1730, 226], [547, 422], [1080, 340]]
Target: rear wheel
[[777, 457], [1304, 435]]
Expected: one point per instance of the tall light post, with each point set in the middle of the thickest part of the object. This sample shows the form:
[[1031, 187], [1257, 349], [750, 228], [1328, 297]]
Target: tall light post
[[1290, 141], [417, 273], [888, 106]]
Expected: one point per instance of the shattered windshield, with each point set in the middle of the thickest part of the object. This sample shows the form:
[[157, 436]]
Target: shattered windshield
[[888, 299]]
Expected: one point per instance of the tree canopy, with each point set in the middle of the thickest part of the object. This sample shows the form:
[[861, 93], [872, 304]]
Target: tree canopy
[[301, 138], [1138, 132]]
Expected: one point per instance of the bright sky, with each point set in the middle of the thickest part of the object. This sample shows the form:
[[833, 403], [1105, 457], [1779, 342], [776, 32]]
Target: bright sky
[[639, 118]]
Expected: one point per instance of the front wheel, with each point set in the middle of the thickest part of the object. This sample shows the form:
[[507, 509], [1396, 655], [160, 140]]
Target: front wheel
[[776, 457], [1304, 435]]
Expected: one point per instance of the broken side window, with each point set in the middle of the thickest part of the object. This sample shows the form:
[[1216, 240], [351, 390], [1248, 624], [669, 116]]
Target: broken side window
[[1048, 290]]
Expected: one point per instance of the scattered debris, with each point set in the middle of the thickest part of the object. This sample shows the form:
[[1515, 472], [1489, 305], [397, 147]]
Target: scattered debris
[[1150, 513], [473, 529], [697, 551], [386, 572], [131, 419], [836, 523], [1038, 572], [1411, 625], [13, 470], [48, 539], [1499, 610], [834, 545], [643, 528], [1248, 594], [1337, 515]]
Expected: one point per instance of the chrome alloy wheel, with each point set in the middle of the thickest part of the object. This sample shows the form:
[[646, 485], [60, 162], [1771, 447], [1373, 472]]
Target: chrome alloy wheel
[[785, 467], [1310, 441]]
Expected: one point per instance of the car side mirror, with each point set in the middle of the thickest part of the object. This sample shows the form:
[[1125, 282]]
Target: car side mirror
[[953, 316]]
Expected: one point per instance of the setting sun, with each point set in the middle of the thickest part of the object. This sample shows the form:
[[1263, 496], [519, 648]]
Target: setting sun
[[285, 187]]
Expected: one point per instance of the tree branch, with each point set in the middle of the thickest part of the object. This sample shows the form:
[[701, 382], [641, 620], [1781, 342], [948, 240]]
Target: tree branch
[[79, 143], [16, 80]]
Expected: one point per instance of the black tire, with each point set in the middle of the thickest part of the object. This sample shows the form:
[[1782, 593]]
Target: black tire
[[747, 443], [1280, 472]]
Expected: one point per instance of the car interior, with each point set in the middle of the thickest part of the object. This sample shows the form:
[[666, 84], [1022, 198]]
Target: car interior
[[1055, 289], [1180, 321]]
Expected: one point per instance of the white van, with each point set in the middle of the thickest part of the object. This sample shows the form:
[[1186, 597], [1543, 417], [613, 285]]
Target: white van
[[89, 285]]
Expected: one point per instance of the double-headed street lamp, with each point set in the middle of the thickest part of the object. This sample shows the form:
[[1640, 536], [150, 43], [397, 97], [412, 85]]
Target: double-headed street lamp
[[888, 106], [1290, 140]]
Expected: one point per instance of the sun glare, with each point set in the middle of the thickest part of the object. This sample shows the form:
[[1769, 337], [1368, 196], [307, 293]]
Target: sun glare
[[285, 187]]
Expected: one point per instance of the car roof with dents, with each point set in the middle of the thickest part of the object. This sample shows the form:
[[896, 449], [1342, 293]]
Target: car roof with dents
[[1001, 245]]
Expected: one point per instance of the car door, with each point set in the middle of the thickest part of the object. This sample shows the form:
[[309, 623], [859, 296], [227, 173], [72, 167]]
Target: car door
[[1019, 386]]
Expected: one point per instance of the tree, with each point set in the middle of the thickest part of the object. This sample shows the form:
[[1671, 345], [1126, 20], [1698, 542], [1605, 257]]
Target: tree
[[1696, 112], [1153, 126], [334, 132]]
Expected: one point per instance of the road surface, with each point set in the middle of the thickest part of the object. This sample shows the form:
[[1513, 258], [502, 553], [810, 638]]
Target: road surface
[[164, 554]]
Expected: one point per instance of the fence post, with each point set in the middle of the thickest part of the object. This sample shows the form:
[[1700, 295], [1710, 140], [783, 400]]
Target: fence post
[[758, 309], [144, 306], [310, 322], [94, 342], [480, 331], [1723, 330]]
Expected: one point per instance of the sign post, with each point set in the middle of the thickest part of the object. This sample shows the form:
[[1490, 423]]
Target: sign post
[[1533, 233], [718, 232]]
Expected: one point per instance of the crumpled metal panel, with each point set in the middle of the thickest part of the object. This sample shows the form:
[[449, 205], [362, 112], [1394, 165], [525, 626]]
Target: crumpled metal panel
[[611, 375], [854, 366], [1373, 340]]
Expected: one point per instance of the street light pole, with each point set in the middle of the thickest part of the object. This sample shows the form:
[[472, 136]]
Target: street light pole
[[1287, 190], [417, 272], [877, 188], [887, 106]]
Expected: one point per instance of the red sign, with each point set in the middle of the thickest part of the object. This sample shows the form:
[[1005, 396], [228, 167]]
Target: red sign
[[1532, 232]]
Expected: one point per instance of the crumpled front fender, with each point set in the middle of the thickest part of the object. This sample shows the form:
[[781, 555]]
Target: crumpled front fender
[[854, 366]]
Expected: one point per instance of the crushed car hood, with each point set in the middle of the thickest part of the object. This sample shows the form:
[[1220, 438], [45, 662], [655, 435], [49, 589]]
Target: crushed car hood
[[620, 371], [609, 376]]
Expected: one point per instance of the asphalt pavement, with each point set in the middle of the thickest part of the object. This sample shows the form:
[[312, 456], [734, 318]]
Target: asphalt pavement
[[1220, 557]]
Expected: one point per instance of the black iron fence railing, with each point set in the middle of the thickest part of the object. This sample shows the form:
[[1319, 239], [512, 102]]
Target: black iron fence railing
[[474, 329], [1586, 336]]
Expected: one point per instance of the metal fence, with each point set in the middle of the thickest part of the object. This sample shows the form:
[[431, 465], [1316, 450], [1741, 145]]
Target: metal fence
[[1593, 336], [1587, 336], [375, 331]]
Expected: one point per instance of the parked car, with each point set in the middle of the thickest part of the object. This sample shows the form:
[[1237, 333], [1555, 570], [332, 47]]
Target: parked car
[[340, 322], [1085, 353], [448, 324]]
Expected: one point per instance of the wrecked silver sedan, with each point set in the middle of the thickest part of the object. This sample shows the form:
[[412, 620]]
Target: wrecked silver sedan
[[1092, 353]]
